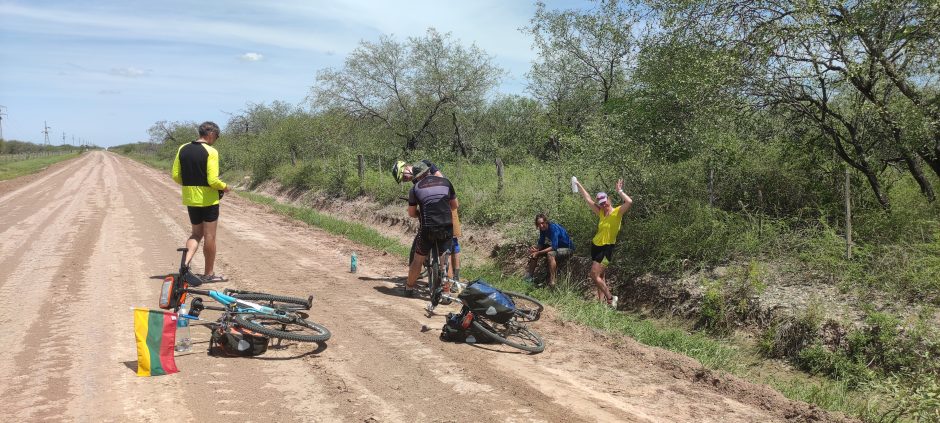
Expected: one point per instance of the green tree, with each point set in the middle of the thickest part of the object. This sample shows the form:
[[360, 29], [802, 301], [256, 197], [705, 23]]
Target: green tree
[[584, 58], [812, 57], [411, 88]]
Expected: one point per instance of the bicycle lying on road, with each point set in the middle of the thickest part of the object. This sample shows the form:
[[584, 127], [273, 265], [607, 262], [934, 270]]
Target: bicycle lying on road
[[500, 315], [275, 316]]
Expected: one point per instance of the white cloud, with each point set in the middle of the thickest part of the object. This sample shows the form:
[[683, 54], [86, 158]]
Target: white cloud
[[251, 57], [109, 92], [129, 72]]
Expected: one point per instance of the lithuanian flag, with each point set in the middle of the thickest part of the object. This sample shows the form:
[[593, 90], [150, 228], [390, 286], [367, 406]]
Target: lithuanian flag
[[156, 334]]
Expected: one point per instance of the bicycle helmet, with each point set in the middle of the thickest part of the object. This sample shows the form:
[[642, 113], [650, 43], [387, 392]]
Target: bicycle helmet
[[419, 170], [398, 171]]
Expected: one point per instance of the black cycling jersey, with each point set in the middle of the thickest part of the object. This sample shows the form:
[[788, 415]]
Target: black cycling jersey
[[432, 195]]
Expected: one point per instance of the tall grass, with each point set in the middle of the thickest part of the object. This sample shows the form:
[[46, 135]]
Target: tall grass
[[31, 164], [355, 232], [722, 354]]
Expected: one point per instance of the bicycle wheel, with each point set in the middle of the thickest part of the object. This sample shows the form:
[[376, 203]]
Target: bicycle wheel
[[273, 301], [528, 309], [511, 333], [434, 278], [291, 328]]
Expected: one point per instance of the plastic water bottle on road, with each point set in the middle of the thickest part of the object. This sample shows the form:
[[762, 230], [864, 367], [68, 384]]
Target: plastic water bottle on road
[[184, 341], [353, 263]]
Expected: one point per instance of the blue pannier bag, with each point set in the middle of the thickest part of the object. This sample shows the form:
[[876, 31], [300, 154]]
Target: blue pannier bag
[[488, 302]]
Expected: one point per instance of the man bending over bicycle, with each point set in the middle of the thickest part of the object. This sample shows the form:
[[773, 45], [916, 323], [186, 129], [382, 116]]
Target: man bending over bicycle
[[431, 199], [403, 172]]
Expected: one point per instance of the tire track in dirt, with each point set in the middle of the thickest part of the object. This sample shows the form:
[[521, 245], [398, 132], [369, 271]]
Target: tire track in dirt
[[27, 282], [214, 379], [22, 226], [113, 235]]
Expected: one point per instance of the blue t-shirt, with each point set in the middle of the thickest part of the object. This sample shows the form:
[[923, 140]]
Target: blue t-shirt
[[557, 235]]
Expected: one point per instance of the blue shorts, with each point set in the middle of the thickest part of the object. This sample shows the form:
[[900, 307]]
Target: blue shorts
[[455, 246]]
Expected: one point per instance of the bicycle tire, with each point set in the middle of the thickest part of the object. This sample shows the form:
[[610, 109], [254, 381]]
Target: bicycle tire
[[528, 309], [262, 323], [434, 278], [274, 301], [512, 334]]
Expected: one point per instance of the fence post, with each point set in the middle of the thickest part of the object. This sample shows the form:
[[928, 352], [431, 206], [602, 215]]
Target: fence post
[[848, 215], [499, 175], [362, 172], [760, 211]]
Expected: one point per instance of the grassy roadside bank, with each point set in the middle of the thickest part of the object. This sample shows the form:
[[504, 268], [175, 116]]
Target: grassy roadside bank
[[152, 161], [877, 400], [736, 356], [25, 167]]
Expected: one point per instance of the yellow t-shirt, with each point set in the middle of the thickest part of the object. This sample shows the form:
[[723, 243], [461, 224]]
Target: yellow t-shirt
[[196, 168], [608, 227]]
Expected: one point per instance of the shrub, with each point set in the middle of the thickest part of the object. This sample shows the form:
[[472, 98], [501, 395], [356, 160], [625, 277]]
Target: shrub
[[729, 301]]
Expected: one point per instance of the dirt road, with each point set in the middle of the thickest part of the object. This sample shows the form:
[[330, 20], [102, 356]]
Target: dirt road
[[85, 240]]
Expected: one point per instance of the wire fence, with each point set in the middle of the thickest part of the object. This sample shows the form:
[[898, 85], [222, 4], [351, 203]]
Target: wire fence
[[10, 158]]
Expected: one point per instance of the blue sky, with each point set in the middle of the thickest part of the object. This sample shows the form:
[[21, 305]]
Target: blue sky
[[105, 71]]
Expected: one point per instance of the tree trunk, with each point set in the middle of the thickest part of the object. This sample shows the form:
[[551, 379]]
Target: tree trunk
[[458, 141], [932, 159], [914, 167], [876, 188]]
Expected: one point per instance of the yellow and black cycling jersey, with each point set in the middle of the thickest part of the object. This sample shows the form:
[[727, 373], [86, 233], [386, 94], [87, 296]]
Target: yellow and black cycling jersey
[[196, 168]]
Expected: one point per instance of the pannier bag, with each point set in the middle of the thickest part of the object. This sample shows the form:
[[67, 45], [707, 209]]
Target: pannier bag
[[485, 300], [236, 341], [458, 328]]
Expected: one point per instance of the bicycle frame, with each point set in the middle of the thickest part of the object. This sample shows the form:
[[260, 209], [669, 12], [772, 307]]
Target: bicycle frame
[[229, 303], [439, 264], [235, 305]]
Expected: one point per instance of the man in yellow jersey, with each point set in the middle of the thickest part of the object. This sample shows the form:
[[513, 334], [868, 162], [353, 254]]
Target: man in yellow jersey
[[196, 168], [602, 246]]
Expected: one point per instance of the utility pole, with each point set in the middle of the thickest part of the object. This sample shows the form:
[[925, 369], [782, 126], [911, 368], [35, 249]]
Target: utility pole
[[45, 132], [63, 138], [2, 114]]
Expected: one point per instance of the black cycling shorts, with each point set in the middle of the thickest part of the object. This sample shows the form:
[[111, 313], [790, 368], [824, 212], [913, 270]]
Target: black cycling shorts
[[199, 215], [444, 237], [602, 254]]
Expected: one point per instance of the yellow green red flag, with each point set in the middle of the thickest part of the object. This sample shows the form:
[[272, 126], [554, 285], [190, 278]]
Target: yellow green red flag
[[155, 331]]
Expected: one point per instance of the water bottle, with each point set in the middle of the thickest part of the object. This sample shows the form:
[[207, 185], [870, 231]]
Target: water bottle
[[353, 263], [574, 184], [184, 342]]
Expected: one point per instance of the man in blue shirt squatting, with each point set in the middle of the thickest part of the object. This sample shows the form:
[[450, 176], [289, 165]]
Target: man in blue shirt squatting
[[558, 245]]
